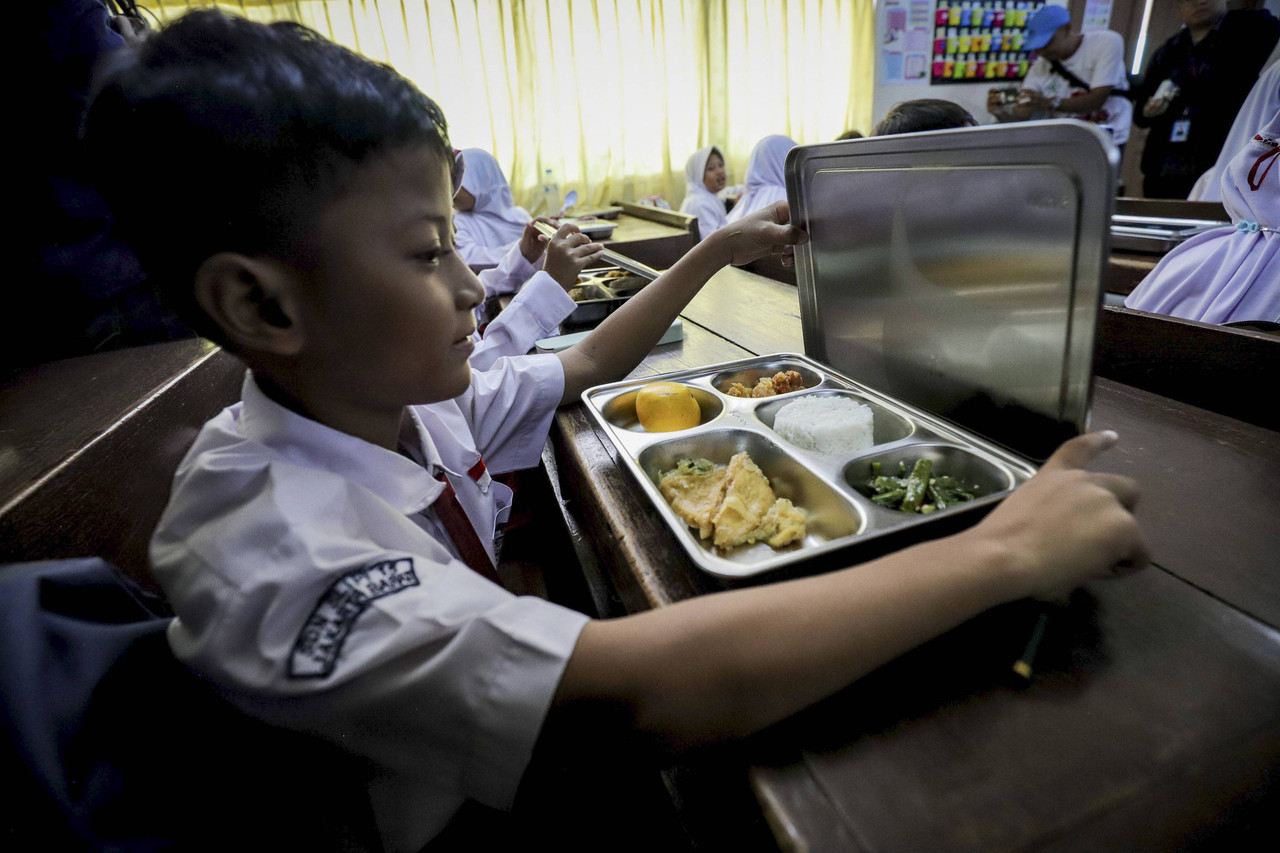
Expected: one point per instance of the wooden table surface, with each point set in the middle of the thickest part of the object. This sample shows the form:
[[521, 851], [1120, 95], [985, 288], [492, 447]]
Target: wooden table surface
[[1154, 717]]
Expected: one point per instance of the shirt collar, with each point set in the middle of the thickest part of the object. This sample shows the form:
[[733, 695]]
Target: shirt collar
[[393, 477]]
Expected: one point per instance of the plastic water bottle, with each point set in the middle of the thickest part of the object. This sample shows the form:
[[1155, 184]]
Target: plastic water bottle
[[550, 193]]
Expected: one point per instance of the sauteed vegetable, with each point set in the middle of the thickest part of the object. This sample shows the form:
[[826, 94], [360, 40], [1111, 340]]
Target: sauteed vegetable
[[917, 491]]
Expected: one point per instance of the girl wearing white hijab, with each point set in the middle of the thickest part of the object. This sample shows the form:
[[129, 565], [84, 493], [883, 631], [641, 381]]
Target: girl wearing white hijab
[[1229, 274], [704, 176], [487, 220], [766, 181]]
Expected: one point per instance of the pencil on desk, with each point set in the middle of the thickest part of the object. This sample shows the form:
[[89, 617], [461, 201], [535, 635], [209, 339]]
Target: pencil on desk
[[1023, 664]]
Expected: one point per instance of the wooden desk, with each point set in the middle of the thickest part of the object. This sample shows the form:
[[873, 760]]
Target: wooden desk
[[1154, 717]]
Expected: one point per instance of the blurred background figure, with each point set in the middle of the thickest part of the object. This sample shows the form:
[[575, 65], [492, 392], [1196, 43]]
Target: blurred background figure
[[1075, 75], [923, 114], [82, 288], [704, 178], [487, 220], [766, 178], [1231, 274], [1192, 90], [849, 134]]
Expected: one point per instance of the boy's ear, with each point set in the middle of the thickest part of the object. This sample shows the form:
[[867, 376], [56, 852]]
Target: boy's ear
[[253, 300]]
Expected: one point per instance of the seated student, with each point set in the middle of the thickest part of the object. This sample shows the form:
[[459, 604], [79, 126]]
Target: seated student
[[328, 548], [923, 114], [1262, 103], [1231, 274], [488, 221], [704, 178], [766, 181], [541, 302]]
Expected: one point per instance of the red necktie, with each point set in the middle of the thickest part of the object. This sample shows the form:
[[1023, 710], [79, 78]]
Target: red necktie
[[458, 526]]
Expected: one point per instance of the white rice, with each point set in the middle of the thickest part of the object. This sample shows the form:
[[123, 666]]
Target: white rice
[[825, 424]]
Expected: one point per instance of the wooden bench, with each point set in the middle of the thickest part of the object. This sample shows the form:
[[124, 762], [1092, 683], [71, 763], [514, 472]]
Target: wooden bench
[[1226, 370], [88, 447]]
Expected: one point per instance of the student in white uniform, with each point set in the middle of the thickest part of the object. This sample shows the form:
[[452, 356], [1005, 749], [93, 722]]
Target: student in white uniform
[[1230, 274], [704, 178], [1262, 103], [541, 302], [323, 577], [487, 219], [766, 179]]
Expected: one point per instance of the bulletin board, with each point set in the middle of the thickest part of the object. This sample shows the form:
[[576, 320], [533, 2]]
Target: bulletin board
[[981, 40]]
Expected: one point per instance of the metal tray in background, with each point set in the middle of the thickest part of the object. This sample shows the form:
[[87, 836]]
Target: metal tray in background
[[961, 270], [829, 488], [598, 297], [1156, 234]]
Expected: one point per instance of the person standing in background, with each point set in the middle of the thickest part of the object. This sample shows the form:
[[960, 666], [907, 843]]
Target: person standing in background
[[704, 177], [1194, 86], [1075, 75]]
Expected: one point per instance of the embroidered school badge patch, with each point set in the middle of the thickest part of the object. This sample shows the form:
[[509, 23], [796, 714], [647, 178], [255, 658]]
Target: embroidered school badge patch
[[321, 639]]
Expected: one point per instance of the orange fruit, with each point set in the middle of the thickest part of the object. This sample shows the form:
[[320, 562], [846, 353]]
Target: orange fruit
[[667, 406]]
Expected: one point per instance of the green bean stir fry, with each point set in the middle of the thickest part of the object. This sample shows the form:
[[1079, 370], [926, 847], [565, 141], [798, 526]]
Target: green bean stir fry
[[918, 491]]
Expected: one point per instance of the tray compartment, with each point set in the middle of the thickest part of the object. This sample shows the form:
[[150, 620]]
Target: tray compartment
[[751, 374], [886, 426], [620, 410], [985, 476], [831, 515]]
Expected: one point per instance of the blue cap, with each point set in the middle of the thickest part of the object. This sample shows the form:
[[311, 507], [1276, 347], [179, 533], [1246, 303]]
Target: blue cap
[[1042, 25]]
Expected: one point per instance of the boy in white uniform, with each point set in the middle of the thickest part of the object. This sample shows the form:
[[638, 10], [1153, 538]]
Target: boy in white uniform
[[321, 575]]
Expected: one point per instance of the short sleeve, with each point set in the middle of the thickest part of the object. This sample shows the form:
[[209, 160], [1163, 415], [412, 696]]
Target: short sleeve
[[509, 409], [1108, 65], [1037, 76], [535, 312]]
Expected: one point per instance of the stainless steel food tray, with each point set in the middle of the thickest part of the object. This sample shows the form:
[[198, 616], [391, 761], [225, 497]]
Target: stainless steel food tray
[[829, 488], [1156, 234], [961, 270]]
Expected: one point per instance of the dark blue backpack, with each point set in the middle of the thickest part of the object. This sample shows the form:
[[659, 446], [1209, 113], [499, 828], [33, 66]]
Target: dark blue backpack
[[111, 744]]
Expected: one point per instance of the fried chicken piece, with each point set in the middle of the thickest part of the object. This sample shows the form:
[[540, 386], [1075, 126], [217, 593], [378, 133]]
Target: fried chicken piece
[[769, 386], [788, 523]]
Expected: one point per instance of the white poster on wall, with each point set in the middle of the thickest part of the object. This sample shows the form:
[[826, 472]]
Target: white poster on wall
[[1097, 16], [904, 41]]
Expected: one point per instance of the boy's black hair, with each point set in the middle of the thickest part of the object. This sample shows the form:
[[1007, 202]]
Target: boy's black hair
[[246, 131], [923, 114]]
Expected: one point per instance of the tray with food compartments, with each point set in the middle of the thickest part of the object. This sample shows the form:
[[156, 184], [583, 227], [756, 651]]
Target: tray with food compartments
[[826, 488]]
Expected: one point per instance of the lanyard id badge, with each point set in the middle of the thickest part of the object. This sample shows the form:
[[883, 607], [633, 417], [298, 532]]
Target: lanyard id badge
[[1181, 130]]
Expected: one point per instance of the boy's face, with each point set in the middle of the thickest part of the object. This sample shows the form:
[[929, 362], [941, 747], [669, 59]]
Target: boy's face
[[388, 314]]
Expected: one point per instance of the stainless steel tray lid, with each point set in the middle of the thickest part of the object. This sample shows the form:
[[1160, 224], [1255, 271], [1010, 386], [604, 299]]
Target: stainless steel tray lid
[[961, 270]]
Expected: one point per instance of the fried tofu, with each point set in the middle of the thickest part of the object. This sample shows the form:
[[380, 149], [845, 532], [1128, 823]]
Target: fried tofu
[[735, 504]]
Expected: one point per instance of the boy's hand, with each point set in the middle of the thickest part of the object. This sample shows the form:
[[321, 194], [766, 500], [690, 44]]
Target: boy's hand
[[531, 242], [765, 232], [1067, 525], [568, 253]]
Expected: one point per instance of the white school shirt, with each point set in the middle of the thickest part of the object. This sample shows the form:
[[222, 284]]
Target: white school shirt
[[535, 312], [314, 587], [1099, 61]]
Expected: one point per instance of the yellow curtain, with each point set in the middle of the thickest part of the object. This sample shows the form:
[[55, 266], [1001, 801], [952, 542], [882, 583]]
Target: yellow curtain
[[611, 95]]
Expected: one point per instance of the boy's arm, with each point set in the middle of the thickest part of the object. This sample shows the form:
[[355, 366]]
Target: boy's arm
[[729, 664], [627, 335]]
